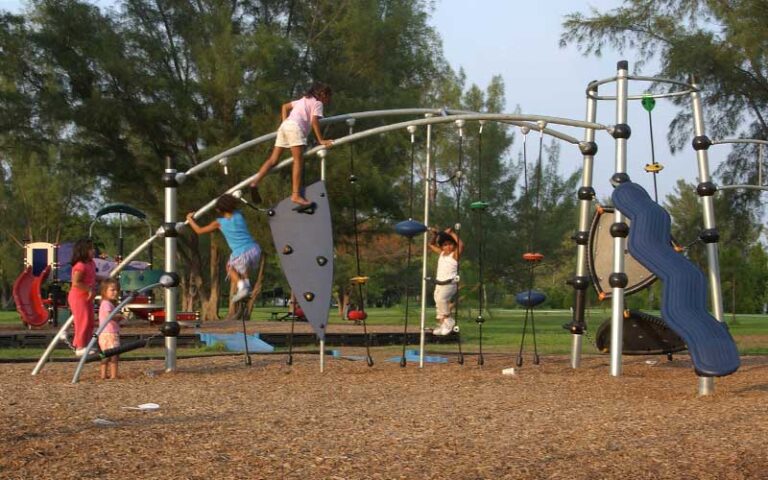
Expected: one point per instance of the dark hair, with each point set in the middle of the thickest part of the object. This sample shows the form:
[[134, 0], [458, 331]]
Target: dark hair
[[80, 251], [443, 238], [227, 203], [106, 284], [319, 89]]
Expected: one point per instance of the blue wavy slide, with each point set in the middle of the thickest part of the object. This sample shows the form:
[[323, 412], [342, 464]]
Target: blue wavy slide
[[684, 296]]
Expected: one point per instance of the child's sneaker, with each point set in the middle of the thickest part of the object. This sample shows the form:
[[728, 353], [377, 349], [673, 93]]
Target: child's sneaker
[[82, 351], [242, 293], [448, 325]]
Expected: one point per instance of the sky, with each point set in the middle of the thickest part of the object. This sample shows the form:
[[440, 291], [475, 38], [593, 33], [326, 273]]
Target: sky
[[519, 40]]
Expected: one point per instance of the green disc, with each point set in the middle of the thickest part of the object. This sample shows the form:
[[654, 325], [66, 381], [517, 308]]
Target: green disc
[[648, 103]]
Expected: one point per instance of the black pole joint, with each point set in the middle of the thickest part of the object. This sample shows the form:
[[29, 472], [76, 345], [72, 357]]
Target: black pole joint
[[586, 193], [619, 229], [709, 235], [618, 280], [701, 142], [706, 189]]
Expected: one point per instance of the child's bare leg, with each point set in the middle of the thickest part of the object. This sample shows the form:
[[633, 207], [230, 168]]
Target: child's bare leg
[[298, 167], [268, 164], [233, 274], [103, 370], [113, 367]]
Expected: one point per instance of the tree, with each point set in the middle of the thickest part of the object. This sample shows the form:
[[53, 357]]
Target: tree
[[721, 43], [126, 87]]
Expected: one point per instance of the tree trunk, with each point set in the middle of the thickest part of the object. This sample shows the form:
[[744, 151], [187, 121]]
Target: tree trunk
[[210, 306]]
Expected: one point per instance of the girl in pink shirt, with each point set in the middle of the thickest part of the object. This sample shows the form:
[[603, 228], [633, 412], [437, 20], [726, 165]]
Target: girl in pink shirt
[[110, 335], [81, 293], [297, 118]]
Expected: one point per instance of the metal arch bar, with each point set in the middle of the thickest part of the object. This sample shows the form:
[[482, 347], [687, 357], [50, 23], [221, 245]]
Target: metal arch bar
[[504, 118], [470, 117], [441, 112], [739, 140], [324, 121], [743, 187], [596, 83]]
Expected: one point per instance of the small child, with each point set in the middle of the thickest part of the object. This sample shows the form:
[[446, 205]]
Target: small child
[[110, 335], [81, 294], [449, 246], [245, 250], [297, 116]]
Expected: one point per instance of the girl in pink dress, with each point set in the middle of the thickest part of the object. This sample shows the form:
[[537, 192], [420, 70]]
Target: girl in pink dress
[[110, 336], [297, 118], [81, 293]]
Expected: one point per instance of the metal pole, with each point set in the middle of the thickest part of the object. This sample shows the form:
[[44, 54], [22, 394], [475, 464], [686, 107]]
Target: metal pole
[[701, 143], [171, 294], [60, 335], [322, 154], [619, 242], [708, 205], [95, 338], [586, 195], [424, 250]]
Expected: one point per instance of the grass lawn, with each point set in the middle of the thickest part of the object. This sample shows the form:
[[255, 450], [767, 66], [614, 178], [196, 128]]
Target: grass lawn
[[501, 330]]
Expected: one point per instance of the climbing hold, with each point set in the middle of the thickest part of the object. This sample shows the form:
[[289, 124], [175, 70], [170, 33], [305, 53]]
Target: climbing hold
[[653, 167], [359, 280], [410, 228], [357, 315], [287, 250], [533, 257], [321, 260], [530, 298], [479, 205], [309, 296], [648, 102]]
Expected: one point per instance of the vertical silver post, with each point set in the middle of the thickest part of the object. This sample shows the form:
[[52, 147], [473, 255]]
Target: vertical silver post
[[619, 242], [171, 294], [707, 203], [322, 154], [706, 386], [586, 196], [427, 183], [701, 143]]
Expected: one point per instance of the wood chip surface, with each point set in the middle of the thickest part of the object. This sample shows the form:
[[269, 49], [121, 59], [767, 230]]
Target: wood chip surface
[[221, 419]]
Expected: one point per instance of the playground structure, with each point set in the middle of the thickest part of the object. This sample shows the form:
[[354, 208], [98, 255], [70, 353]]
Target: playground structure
[[620, 131], [48, 261]]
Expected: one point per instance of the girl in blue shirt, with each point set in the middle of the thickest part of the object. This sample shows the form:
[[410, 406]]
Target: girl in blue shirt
[[245, 250]]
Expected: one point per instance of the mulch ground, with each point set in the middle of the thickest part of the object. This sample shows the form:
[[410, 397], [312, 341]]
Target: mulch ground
[[221, 419]]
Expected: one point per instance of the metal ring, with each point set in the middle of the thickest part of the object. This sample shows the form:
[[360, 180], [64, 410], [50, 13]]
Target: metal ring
[[596, 83]]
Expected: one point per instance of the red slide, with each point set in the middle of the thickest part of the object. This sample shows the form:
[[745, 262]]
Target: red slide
[[27, 296]]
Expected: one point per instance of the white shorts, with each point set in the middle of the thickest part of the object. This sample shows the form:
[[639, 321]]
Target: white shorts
[[290, 135]]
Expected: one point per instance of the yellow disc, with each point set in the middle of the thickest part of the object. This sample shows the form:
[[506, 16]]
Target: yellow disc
[[653, 167], [359, 280]]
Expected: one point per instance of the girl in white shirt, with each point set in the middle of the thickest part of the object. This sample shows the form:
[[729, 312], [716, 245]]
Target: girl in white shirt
[[449, 246]]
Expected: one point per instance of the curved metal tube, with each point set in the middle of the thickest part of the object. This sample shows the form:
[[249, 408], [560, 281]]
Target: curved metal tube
[[596, 83], [101, 328]]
